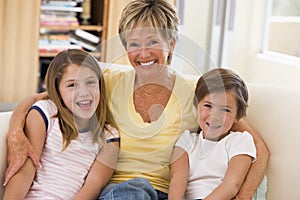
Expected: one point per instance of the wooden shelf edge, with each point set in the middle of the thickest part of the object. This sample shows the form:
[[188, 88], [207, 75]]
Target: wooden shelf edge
[[53, 54], [83, 27]]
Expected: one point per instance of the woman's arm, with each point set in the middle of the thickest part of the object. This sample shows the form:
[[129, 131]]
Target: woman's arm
[[100, 172], [179, 174], [18, 145], [18, 186], [258, 168], [234, 177]]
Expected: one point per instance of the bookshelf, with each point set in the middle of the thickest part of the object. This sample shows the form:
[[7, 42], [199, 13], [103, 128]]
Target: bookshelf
[[68, 24]]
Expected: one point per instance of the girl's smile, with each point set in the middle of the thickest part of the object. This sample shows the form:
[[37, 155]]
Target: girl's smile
[[79, 89], [217, 113]]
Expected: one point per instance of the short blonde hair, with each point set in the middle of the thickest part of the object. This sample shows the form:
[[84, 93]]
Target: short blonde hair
[[158, 14]]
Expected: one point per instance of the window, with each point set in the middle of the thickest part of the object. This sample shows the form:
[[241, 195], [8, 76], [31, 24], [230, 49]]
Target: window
[[282, 31]]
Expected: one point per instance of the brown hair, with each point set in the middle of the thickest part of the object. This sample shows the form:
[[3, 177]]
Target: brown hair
[[54, 76], [218, 80], [157, 14]]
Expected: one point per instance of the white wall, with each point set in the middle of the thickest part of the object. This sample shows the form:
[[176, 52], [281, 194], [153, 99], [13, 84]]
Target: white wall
[[190, 54], [254, 66], [247, 58], [196, 21]]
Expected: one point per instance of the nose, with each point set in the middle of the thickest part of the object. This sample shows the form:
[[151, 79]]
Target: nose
[[216, 116], [144, 52], [82, 90]]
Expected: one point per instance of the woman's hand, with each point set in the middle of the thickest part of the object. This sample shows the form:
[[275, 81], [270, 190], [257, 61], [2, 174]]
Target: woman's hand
[[19, 149]]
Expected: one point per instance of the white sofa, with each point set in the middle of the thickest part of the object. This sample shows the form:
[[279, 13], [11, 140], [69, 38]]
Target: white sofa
[[275, 113], [4, 123]]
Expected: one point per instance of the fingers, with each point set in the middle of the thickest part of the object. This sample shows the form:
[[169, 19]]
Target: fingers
[[15, 162], [14, 167], [16, 158], [34, 157], [12, 170]]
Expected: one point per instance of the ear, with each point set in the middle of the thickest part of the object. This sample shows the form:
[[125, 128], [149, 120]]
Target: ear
[[172, 44]]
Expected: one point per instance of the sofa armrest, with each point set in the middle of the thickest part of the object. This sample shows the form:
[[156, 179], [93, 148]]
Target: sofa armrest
[[275, 113]]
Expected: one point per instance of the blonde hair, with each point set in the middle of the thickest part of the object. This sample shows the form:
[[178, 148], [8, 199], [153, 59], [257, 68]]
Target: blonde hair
[[54, 76], [157, 14]]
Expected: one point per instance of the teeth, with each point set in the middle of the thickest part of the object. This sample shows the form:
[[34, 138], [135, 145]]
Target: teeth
[[84, 102], [147, 63], [213, 126]]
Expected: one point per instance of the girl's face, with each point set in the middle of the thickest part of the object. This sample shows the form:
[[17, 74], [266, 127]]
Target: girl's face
[[216, 114], [79, 89], [148, 50]]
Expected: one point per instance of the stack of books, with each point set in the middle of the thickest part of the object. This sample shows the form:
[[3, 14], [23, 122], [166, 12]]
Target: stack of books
[[57, 17], [59, 13], [55, 42]]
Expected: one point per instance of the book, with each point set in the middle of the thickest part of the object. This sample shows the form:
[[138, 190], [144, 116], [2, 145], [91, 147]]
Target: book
[[61, 8], [86, 45], [57, 23], [58, 20], [60, 3], [87, 36], [43, 48]]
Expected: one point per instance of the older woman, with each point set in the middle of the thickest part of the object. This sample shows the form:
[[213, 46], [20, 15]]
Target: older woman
[[151, 104]]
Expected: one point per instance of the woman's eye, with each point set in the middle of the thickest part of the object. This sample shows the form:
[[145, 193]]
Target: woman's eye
[[153, 42], [133, 45]]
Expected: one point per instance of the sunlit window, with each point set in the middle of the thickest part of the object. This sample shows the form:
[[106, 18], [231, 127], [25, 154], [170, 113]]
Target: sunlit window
[[282, 33]]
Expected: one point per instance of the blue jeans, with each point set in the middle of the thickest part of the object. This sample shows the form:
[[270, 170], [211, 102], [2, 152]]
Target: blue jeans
[[134, 189]]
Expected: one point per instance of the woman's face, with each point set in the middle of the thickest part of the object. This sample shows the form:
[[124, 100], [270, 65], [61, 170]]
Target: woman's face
[[148, 50], [216, 114], [79, 89]]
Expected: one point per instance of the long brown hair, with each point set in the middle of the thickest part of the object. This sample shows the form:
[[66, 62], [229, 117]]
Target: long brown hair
[[54, 76]]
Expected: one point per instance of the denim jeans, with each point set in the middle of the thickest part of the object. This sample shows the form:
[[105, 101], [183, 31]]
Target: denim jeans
[[134, 189]]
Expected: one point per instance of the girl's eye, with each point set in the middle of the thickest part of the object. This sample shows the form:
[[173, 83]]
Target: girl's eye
[[207, 105], [70, 85], [91, 82], [226, 110]]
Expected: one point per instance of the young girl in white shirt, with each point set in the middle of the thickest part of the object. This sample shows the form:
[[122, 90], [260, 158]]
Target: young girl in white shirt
[[77, 149], [213, 162]]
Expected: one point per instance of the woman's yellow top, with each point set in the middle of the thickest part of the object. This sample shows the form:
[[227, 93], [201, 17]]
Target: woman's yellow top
[[146, 148]]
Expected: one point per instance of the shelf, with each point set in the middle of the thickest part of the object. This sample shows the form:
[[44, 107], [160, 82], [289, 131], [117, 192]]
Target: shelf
[[60, 31], [97, 28], [47, 54], [53, 54]]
